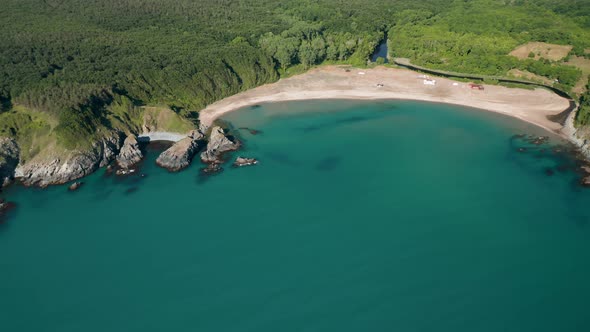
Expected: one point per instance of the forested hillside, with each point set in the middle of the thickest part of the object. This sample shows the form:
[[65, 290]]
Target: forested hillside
[[71, 66]]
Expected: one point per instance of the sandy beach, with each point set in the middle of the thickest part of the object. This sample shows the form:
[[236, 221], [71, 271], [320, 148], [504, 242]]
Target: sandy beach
[[339, 82], [161, 136]]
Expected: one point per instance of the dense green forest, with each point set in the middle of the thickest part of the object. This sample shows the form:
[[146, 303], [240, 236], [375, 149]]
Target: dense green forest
[[82, 63]]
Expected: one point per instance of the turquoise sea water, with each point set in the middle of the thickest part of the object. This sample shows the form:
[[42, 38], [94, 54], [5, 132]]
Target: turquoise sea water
[[361, 216]]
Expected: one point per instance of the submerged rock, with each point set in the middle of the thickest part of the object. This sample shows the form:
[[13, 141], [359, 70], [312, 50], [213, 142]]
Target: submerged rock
[[212, 168], [5, 207], [180, 155], [130, 153], [250, 130], [538, 140], [75, 186], [240, 161], [586, 178], [218, 145], [9, 158]]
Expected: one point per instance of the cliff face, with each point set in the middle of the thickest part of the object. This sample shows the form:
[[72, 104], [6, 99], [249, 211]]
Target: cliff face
[[74, 165], [9, 157], [579, 136]]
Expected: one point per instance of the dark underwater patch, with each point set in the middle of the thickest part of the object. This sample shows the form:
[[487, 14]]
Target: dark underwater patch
[[281, 158], [7, 212], [536, 153], [131, 190], [328, 164], [336, 123]]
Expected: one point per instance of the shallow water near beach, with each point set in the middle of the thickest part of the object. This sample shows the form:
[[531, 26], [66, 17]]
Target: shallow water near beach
[[361, 216]]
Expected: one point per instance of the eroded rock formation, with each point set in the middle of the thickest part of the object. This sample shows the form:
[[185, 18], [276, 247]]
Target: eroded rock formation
[[218, 144], [180, 155], [130, 153]]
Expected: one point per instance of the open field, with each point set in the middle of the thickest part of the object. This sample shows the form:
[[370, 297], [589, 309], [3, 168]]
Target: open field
[[523, 74], [552, 52], [584, 65], [162, 119]]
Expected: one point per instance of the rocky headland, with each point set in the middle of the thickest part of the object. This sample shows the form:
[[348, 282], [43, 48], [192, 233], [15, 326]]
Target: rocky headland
[[118, 151], [71, 165]]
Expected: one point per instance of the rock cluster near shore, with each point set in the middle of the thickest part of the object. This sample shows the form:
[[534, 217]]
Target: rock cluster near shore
[[217, 146], [130, 153], [118, 151], [180, 155]]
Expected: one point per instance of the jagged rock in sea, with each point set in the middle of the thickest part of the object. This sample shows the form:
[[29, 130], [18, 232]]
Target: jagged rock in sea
[[241, 161], [218, 145], [75, 186], [9, 157], [130, 153], [180, 155], [68, 166]]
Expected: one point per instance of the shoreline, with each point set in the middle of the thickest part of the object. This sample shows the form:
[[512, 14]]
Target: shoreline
[[346, 83]]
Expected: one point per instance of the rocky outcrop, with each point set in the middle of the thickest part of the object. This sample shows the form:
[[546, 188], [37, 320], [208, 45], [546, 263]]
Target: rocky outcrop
[[241, 161], [180, 155], [69, 166], [579, 136], [130, 153], [211, 168], [217, 146], [110, 147], [9, 157]]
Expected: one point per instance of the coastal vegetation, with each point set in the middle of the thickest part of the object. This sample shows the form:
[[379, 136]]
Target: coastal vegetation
[[72, 70], [583, 115], [482, 37]]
